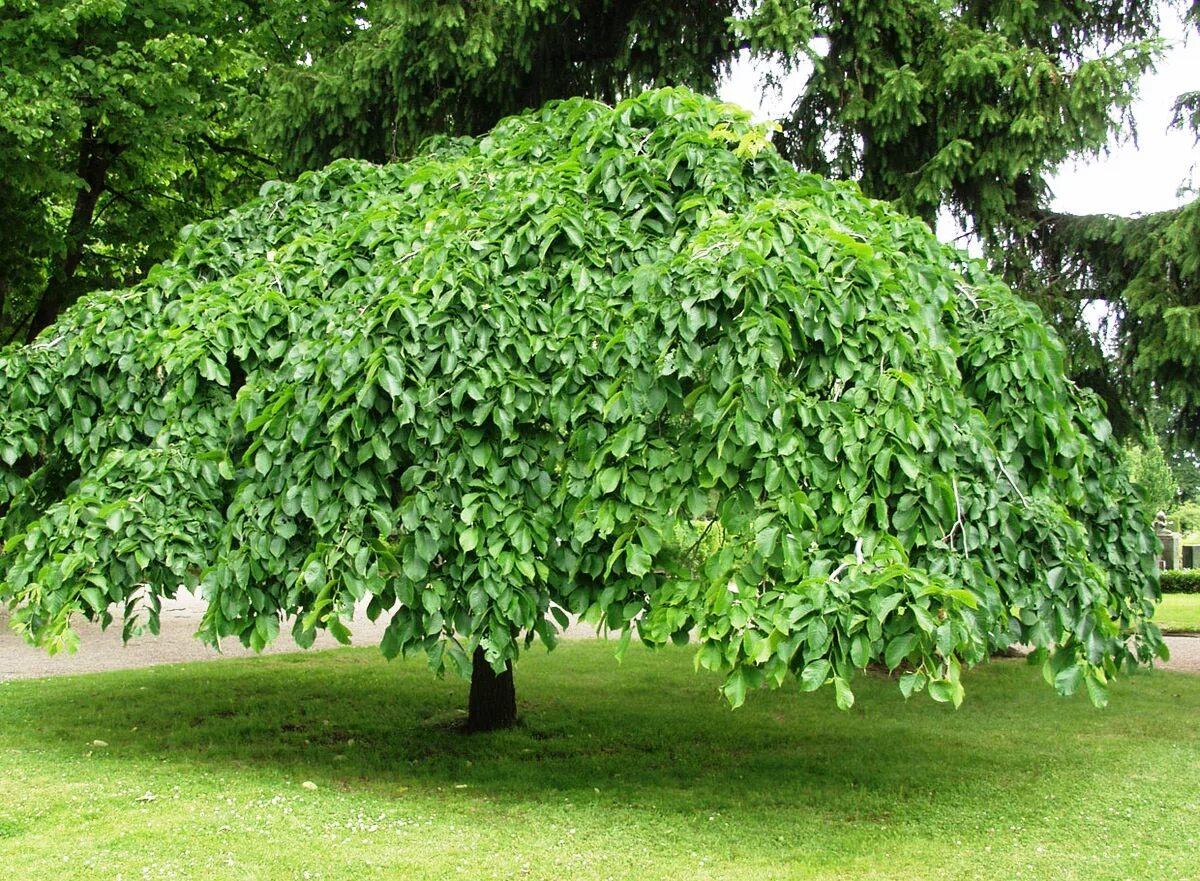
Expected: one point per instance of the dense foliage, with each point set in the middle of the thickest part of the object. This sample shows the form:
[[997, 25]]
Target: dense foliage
[[1144, 274], [493, 385], [1146, 270], [1185, 518], [387, 75], [965, 107], [120, 121]]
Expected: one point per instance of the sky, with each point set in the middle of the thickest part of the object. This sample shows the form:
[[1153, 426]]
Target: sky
[[1132, 178], [1146, 176]]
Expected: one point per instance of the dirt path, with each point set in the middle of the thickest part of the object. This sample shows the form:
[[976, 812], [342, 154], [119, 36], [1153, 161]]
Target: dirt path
[[176, 643]]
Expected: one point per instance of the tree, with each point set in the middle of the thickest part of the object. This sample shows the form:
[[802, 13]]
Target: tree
[[493, 386], [1150, 473], [121, 122], [1145, 272]]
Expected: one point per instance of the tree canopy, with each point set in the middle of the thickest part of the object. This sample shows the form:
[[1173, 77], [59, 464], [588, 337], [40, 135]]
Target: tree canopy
[[1145, 270], [537, 373], [966, 106]]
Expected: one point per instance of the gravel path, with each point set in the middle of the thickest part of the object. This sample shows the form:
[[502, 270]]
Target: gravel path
[[176, 643]]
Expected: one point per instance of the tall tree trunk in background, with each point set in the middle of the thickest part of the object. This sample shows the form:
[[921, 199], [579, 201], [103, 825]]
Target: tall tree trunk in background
[[95, 159], [493, 701]]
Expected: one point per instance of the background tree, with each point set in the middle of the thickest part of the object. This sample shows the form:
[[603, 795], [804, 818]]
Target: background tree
[[1145, 272], [1150, 473], [119, 122], [403, 71], [493, 386], [971, 111]]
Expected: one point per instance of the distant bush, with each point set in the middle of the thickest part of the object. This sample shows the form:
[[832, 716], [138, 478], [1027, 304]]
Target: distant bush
[[1181, 581], [1150, 472], [1185, 518]]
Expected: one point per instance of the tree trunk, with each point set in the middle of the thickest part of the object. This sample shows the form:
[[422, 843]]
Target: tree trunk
[[94, 161], [493, 701]]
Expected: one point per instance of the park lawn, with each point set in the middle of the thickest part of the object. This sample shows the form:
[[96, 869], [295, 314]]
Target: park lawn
[[636, 771], [1179, 612]]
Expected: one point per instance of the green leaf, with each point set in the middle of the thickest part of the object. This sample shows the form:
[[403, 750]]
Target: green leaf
[[623, 644], [842, 693], [909, 465], [262, 461], [765, 541], [390, 645], [734, 688], [637, 560], [897, 650], [608, 479], [94, 598], [1055, 577], [965, 597], [887, 605], [911, 682], [860, 650], [941, 690], [815, 675], [1097, 691], [1067, 681], [116, 519]]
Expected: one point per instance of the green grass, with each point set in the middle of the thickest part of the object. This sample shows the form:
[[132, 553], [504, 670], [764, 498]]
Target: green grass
[[1179, 612], [630, 772]]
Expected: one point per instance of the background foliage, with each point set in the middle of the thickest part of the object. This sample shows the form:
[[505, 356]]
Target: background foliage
[[120, 121], [1151, 474], [1181, 581]]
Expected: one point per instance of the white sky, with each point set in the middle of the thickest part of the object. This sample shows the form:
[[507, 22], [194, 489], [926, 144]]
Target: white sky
[[1131, 179]]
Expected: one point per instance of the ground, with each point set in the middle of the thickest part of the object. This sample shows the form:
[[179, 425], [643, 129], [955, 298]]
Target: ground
[[198, 771], [1180, 613]]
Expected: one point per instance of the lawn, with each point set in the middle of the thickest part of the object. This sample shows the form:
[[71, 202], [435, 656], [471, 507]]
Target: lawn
[[631, 771], [1179, 612]]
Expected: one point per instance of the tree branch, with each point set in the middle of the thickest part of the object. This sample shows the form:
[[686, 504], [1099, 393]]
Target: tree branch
[[230, 150]]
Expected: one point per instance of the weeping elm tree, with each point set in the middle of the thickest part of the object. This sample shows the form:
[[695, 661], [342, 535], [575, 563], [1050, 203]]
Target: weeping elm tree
[[624, 364]]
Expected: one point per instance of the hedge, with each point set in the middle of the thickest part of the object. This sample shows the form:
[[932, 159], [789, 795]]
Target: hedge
[[1180, 581]]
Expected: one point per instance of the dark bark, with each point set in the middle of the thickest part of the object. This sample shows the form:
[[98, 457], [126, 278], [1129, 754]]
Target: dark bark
[[493, 701], [95, 158]]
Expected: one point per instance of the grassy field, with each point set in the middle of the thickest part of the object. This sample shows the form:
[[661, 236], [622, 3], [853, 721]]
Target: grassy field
[[637, 771], [1179, 612]]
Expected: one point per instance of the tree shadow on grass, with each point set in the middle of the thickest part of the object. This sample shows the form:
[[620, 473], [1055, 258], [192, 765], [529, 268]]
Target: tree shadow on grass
[[646, 732]]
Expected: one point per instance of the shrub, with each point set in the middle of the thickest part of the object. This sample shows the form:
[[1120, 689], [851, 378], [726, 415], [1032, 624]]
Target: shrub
[[1180, 581]]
